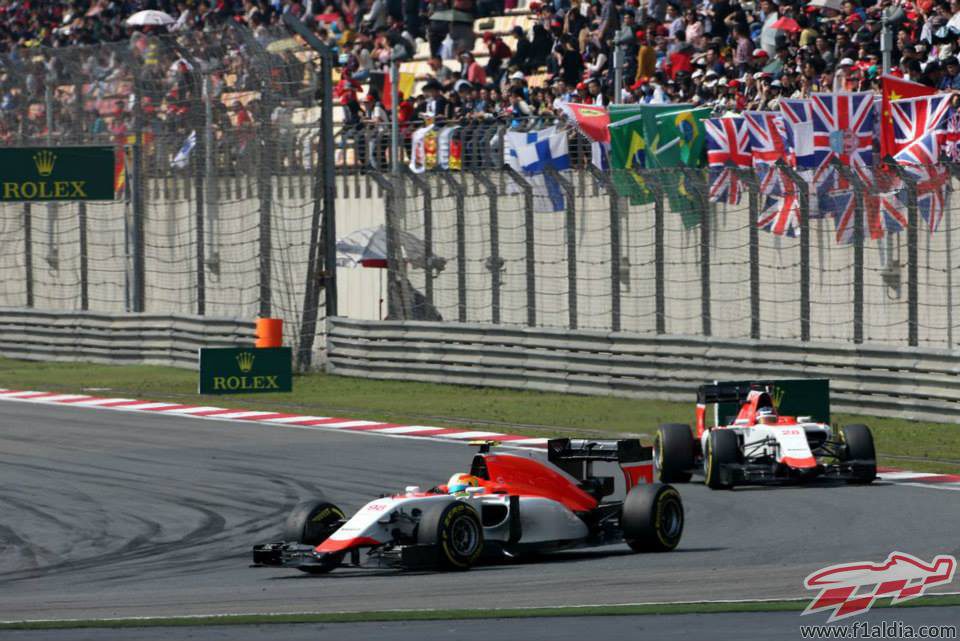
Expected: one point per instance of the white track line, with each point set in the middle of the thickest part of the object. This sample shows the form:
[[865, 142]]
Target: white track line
[[295, 419]]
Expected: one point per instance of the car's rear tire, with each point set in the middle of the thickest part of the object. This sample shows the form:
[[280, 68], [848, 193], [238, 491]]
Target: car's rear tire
[[652, 518], [722, 448], [312, 521], [455, 530], [858, 446], [673, 453]]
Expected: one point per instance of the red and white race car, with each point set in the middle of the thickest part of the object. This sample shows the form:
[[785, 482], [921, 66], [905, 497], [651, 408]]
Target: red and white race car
[[508, 505], [759, 446]]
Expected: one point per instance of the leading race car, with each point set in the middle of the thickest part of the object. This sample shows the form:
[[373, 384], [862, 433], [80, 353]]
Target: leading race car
[[759, 446], [508, 505]]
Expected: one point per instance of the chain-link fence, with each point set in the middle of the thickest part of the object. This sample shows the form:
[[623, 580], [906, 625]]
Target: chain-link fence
[[217, 137], [851, 264]]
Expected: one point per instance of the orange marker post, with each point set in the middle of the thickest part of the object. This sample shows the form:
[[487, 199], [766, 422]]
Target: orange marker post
[[269, 332]]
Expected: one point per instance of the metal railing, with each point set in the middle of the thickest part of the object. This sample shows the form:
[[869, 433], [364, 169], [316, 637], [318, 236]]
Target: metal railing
[[917, 384]]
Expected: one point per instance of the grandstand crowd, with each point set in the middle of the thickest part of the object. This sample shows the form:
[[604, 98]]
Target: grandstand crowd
[[506, 61]]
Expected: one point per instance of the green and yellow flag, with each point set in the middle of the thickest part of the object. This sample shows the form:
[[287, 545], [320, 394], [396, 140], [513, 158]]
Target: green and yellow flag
[[680, 138], [628, 154], [650, 130]]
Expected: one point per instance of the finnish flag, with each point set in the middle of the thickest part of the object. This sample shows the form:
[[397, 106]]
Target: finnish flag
[[534, 158], [514, 140]]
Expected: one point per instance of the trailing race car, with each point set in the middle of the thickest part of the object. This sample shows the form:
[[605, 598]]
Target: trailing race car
[[509, 505], [759, 446]]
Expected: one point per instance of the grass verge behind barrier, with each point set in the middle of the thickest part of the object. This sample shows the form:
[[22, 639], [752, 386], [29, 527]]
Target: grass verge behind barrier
[[916, 445], [703, 607]]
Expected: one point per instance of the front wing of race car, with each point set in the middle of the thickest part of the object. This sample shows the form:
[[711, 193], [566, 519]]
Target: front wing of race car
[[305, 557], [760, 472]]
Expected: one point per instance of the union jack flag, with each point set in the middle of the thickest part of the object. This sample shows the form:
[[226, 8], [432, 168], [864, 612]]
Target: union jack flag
[[772, 179], [798, 125], [724, 186], [843, 129], [886, 213], [931, 195], [951, 137], [767, 136], [915, 117], [843, 206], [925, 150], [781, 214], [728, 142]]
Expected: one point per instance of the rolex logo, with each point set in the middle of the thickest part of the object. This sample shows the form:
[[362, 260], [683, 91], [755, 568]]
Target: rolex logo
[[245, 361], [44, 161]]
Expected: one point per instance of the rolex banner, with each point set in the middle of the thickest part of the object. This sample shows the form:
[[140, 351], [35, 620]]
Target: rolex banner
[[245, 370], [57, 174]]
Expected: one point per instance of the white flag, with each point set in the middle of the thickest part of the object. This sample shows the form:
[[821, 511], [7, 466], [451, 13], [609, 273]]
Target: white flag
[[182, 159]]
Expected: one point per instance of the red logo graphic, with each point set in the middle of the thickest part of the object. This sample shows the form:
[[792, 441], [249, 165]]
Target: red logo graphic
[[851, 588]]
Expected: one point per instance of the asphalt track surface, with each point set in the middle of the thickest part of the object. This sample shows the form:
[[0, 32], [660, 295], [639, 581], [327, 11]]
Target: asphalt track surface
[[114, 514], [761, 626]]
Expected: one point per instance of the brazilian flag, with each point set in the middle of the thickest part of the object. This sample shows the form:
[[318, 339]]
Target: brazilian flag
[[628, 154], [650, 129], [680, 139], [685, 194]]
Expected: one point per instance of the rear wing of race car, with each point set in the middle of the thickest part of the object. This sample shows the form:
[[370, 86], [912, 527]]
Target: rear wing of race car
[[791, 397], [577, 456]]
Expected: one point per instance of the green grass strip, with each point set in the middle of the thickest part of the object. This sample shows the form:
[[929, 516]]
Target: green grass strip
[[929, 447], [703, 607]]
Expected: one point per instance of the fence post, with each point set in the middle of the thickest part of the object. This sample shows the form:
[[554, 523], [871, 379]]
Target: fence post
[[424, 186], [615, 243], [137, 198], [28, 252], [84, 274], [397, 309], [570, 228], [459, 195], [658, 256], [696, 178], [803, 197], [913, 285], [324, 210], [858, 235], [495, 264], [954, 170], [267, 148], [529, 242], [749, 178]]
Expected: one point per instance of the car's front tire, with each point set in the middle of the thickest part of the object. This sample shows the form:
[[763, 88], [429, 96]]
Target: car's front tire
[[652, 518], [455, 530], [673, 453], [858, 446], [722, 448], [311, 522]]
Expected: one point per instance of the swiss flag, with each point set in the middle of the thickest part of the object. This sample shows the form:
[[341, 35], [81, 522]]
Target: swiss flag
[[894, 89]]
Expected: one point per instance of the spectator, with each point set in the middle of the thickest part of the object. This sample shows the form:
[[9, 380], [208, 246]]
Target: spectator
[[521, 57]]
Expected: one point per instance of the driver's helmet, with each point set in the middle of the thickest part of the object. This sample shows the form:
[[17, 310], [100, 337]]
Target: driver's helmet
[[766, 414], [459, 482]]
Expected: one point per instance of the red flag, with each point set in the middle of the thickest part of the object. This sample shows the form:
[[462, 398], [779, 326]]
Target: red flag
[[894, 89], [593, 121]]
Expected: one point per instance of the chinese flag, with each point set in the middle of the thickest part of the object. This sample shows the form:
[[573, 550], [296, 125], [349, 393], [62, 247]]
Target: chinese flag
[[894, 89]]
